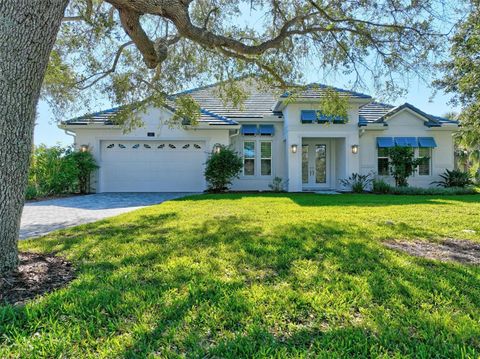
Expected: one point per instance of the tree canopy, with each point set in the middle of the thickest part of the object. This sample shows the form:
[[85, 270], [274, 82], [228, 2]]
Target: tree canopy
[[462, 78], [142, 50]]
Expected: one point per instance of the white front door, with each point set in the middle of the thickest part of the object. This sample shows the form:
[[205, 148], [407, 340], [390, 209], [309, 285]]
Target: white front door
[[315, 164]]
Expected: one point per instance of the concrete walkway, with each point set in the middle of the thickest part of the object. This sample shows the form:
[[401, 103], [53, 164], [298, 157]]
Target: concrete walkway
[[40, 218]]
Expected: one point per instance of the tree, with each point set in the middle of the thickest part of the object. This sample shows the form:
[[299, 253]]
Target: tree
[[403, 164], [462, 79], [27, 33], [143, 50]]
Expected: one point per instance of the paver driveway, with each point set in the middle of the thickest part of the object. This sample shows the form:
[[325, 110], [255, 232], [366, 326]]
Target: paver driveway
[[42, 217]]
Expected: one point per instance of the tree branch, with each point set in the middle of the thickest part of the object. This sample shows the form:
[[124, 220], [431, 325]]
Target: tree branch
[[104, 74]]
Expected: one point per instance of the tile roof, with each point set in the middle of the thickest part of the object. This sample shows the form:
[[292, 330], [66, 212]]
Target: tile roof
[[316, 90], [376, 112]]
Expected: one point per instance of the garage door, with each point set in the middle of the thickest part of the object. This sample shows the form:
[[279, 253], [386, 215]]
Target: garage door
[[152, 166]]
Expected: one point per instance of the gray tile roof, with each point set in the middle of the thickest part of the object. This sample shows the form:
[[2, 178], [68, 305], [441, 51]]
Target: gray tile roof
[[376, 112], [316, 90], [260, 104]]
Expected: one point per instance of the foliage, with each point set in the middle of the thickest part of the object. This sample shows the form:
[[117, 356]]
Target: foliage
[[380, 186], [58, 170], [403, 164], [433, 191], [374, 42], [221, 168], [251, 276], [85, 164], [454, 178], [461, 79], [277, 185], [357, 182], [52, 171]]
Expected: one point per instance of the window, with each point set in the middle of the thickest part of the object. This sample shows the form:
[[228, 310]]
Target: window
[[265, 158], [150, 134], [249, 158], [424, 167], [383, 161]]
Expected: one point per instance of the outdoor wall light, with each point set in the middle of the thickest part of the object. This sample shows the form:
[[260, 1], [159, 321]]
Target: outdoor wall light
[[83, 148], [294, 148], [355, 149], [217, 148]]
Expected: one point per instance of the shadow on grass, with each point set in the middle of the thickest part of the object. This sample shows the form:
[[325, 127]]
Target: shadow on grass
[[357, 200], [228, 289]]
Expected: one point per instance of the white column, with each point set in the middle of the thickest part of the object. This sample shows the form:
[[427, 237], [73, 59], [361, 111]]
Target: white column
[[294, 163]]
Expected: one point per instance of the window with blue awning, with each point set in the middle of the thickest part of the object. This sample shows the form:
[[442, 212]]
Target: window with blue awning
[[427, 142], [308, 116], [385, 142], [406, 141], [249, 130], [267, 130]]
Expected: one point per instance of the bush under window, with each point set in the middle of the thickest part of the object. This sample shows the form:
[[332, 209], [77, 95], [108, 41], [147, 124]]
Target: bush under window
[[221, 168]]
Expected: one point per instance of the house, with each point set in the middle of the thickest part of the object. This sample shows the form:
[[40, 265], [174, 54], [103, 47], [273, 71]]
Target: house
[[278, 136]]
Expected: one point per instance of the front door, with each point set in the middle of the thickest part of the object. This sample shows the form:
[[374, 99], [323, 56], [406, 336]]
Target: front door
[[315, 164]]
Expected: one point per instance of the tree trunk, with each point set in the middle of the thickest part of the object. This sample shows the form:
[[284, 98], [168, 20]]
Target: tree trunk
[[28, 29]]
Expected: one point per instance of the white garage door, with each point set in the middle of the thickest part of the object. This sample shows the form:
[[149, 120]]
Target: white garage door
[[152, 166]]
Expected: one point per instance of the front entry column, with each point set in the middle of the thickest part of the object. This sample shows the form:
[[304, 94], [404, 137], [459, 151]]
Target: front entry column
[[294, 163]]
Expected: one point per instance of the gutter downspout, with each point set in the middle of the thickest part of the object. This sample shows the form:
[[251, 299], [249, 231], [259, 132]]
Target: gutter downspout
[[68, 133]]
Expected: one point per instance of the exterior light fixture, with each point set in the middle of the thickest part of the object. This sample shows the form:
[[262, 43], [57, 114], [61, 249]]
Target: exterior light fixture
[[294, 148], [217, 148], [355, 149], [83, 148]]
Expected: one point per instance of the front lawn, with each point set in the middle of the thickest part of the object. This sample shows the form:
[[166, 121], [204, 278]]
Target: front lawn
[[258, 276]]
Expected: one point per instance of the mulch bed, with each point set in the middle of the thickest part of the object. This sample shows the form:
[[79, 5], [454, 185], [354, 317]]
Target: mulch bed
[[456, 250], [37, 274]]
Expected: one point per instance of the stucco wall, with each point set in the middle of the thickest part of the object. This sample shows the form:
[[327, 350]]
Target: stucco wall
[[153, 122], [408, 124], [294, 131]]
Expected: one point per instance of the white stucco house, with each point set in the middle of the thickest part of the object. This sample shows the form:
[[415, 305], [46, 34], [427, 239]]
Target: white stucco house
[[277, 137]]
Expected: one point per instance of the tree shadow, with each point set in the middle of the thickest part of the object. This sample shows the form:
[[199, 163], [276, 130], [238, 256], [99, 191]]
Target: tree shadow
[[229, 288]]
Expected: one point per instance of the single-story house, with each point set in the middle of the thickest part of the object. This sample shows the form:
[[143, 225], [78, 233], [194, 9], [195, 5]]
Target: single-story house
[[277, 136]]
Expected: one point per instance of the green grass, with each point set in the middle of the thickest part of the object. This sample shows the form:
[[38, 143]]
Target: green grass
[[258, 276]]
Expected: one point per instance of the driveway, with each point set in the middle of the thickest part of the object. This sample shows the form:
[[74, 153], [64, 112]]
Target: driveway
[[40, 218]]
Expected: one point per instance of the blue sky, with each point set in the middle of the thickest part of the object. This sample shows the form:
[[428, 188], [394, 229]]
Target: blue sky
[[47, 132], [419, 94]]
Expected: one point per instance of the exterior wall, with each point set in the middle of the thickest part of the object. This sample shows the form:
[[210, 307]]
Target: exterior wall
[[346, 135], [259, 182], [153, 122], [408, 124]]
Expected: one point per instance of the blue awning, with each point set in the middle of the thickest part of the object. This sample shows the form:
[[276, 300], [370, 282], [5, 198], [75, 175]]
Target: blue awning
[[428, 142], [406, 141], [267, 130], [308, 116], [249, 130], [383, 142]]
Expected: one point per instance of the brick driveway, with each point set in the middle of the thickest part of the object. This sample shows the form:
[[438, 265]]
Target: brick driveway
[[40, 218]]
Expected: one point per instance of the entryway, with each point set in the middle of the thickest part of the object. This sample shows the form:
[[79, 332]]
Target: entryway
[[316, 164]]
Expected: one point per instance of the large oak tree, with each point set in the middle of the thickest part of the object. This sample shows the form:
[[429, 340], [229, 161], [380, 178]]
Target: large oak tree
[[129, 50]]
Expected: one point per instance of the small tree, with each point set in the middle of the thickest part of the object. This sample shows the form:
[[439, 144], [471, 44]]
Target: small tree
[[403, 164], [85, 164], [222, 167]]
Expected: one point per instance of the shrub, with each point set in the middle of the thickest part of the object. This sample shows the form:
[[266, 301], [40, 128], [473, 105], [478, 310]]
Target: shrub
[[52, 170], [403, 164], [380, 186], [454, 178], [85, 164], [277, 185], [357, 182], [31, 192], [221, 168], [432, 191]]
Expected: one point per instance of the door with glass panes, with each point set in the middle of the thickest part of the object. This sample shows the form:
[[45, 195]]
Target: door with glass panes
[[315, 164]]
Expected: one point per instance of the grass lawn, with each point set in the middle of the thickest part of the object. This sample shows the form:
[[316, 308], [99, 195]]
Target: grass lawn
[[258, 276]]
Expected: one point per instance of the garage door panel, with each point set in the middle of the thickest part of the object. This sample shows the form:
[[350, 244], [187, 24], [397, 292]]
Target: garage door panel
[[173, 166]]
